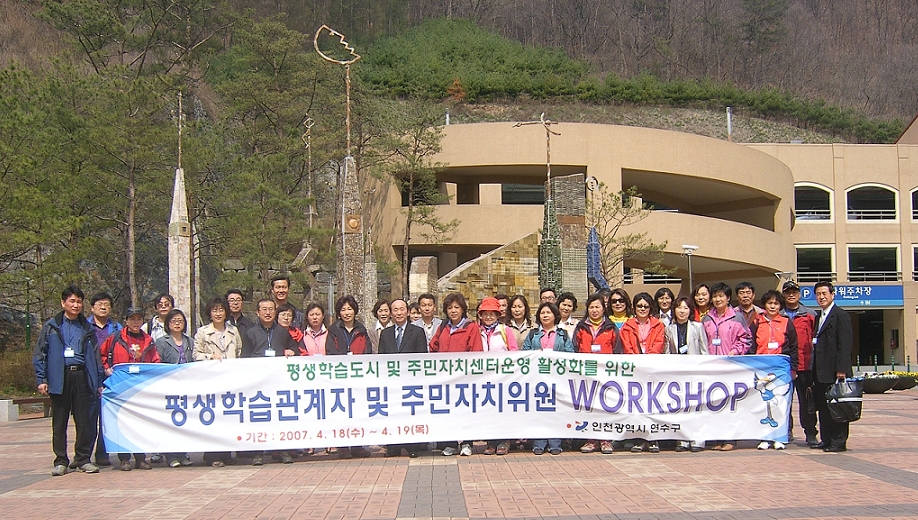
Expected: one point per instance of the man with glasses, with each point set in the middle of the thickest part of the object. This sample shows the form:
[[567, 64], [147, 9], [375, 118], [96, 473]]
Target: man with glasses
[[548, 295], [103, 326], [234, 301]]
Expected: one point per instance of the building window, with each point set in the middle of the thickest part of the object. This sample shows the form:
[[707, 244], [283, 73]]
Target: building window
[[871, 203], [915, 263], [873, 264], [522, 194], [915, 205], [812, 203], [814, 264]]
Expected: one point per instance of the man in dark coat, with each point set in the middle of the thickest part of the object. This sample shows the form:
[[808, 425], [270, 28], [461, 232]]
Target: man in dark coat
[[402, 338], [831, 361]]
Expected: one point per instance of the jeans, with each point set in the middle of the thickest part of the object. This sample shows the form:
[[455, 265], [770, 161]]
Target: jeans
[[553, 444]]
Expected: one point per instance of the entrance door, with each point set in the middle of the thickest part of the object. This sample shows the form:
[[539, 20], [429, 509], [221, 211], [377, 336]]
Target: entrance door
[[868, 338]]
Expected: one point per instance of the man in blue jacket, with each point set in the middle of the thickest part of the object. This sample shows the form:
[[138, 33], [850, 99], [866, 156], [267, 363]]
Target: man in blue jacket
[[68, 368]]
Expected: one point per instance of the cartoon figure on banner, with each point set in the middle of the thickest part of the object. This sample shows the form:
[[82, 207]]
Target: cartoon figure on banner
[[771, 386]]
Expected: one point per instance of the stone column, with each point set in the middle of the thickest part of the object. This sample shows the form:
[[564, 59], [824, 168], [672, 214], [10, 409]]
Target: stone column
[[570, 209], [180, 248]]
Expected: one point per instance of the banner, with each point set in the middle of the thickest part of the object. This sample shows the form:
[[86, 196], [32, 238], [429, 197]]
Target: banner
[[324, 401]]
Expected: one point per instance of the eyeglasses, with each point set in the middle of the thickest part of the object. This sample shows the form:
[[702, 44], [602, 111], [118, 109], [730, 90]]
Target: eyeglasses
[[164, 304], [235, 300], [177, 321], [642, 306], [613, 301]]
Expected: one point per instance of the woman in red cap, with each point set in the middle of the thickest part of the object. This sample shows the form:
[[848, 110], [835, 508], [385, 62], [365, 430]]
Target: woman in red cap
[[495, 337]]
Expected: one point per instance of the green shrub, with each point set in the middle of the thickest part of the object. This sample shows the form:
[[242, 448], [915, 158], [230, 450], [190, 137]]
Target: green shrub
[[17, 377]]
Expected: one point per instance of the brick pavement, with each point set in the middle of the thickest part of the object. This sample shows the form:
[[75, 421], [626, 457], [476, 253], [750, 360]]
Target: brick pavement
[[877, 478]]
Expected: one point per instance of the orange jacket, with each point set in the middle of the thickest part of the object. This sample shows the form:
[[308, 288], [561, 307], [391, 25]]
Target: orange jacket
[[631, 342], [584, 341]]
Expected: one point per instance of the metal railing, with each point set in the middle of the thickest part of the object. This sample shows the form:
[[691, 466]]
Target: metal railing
[[813, 214], [874, 276], [815, 276], [871, 214]]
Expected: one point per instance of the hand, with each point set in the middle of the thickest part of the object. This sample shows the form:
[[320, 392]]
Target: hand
[[100, 390], [840, 375], [43, 389], [217, 356], [793, 374], [289, 352], [108, 372]]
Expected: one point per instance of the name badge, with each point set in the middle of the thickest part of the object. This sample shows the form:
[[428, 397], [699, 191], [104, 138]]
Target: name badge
[[68, 352], [683, 349], [715, 342], [133, 369], [594, 348], [269, 352], [772, 345]]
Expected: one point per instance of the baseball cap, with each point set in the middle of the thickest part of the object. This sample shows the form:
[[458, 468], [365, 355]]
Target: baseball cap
[[790, 286]]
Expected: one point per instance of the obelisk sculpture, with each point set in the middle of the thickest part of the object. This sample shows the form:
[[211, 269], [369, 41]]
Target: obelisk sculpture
[[180, 235]]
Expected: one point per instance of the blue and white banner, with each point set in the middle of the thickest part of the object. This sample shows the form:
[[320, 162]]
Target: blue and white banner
[[303, 402]]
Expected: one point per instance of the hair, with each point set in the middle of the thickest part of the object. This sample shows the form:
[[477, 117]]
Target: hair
[[414, 306], [744, 285], [348, 299], [160, 298], [660, 292], [502, 296], [772, 294], [605, 292], [72, 290], [215, 302], [280, 277], [99, 296], [823, 283], [526, 314], [234, 291], [593, 298], [722, 287], [688, 301], [567, 295], [310, 307], [173, 313], [284, 307], [648, 298], [265, 300], [455, 297], [623, 294], [428, 296], [379, 304], [399, 300], [544, 290], [698, 288], [552, 307]]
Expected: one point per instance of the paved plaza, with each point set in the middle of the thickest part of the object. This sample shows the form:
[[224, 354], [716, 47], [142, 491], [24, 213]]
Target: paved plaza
[[876, 478]]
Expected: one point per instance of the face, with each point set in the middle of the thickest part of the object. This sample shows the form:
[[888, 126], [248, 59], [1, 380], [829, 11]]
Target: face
[[720, 301], [235, 303], [133, 323], [517, 310], [382, 314], [399, 312], [745, 296], [772, 307], [791, 298], [681, 312], [347, 313], [664, 302], [618, 303], [546, 318], [315, 317], [177, 324], [547, 296], [266, 313], [279, 290], [285, 318], [415, 314], [823, 297], [488, 318], [594, 310], [702, 297], [218, 314], [163, 306], [427, 308], [642, 309], [566, 307], [73, 306], [503, 307], [102, 309], [454, 312]]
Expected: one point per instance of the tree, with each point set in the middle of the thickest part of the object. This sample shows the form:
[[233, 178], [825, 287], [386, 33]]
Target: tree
[[611, 213], [408, 136]]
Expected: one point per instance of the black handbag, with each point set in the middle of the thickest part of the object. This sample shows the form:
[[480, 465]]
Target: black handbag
[[845, 399]]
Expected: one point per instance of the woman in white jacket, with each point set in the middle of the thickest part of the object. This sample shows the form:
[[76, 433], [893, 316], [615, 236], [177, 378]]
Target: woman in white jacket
[[686, 337]]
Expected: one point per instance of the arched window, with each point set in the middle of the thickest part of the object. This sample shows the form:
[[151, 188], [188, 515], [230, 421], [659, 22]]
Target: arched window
[[915, 204], [812, 202], [871, 202]]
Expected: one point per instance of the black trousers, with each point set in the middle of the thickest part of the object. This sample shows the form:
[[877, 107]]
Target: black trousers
[[101, 453], [78, 400], [830, 432], [803, 383]]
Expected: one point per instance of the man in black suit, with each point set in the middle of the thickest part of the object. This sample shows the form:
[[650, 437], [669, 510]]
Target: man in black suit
[[402, 338], [832, 345]]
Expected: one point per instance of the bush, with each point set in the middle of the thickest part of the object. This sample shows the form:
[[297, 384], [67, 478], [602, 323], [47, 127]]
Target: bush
[[17, 376]]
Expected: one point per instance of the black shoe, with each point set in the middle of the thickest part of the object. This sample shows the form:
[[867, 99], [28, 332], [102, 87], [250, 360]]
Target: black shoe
[[819, 446], [835, 449], [811, 441], [103, 462], [393, 452], [413, 454]]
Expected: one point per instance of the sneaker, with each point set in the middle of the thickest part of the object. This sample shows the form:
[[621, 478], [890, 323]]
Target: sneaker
[[103, 463], [779, 445], [89, 467], [156, 458], [490, 450], [555, 451], [538, 451], [503, 448], [285, 458], [606, 447], [763, 446], [589, 447], [728, 446], [142, 464], [449, 451], [696, 449], [175, 464], [466, 450], [331, 451], [637, 448], [126, 465], [682, 447], [412, 454], [59, 471], [256, 461], [811, 441], [218, 464], [187, 461], [654, 448]]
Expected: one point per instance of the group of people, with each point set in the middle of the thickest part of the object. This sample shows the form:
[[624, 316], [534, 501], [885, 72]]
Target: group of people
[[74, 354]]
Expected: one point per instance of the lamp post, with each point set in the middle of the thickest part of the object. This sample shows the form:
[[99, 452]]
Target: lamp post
[[687, 250]]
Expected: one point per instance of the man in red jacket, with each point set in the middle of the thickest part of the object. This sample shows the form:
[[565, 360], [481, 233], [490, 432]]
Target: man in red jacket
[[803, 320]]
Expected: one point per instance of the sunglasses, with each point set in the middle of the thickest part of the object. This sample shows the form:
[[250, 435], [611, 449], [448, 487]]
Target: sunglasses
[[613, 301]]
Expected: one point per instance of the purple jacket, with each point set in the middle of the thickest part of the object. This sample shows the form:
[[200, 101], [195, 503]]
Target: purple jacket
[[729, 331]]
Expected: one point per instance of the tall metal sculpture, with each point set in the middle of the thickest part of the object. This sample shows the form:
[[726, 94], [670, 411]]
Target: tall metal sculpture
[[180, 233], [550, 246]]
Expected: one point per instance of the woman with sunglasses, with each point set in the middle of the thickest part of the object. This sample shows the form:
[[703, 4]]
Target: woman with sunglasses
[[643, 334]]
